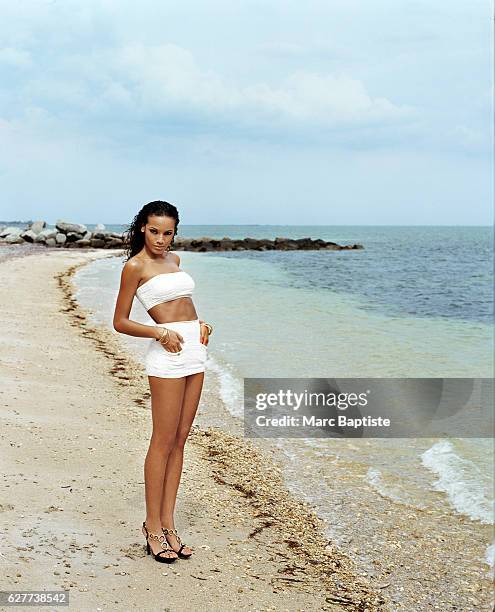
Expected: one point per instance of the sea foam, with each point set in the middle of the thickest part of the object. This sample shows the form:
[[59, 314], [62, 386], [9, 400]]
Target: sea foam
[[461, 480]]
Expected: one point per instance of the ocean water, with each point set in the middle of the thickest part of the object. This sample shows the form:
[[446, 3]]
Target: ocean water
[[415, 302], [418, 271]]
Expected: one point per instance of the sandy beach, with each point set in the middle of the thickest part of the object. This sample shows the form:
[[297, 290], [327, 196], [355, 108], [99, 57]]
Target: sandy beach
[[75, 430], [314, 177]]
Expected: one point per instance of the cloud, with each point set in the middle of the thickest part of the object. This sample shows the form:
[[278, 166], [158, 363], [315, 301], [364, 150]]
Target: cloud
[[160, 81], [325, 99], [247, 107]]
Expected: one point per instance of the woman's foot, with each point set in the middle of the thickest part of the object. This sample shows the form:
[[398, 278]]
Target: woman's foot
[[157, 544], [176, 544]]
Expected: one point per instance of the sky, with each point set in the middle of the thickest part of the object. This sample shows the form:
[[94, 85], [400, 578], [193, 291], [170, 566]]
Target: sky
[[323, 112]]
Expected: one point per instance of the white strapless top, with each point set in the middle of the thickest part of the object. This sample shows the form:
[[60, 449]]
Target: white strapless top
[[165, 287]]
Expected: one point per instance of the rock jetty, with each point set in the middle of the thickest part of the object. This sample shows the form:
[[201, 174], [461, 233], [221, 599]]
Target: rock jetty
[[75, 235]]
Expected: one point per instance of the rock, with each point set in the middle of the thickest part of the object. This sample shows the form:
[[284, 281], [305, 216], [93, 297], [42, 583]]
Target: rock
[[73, 236], [227, 244], [13, 239], [114, 243], [267, 245], [45, 234], [97, 243], [28, 236], [305, 243], [102, 235], [205, 244], [65, 227], [37, 226], [11, 230]]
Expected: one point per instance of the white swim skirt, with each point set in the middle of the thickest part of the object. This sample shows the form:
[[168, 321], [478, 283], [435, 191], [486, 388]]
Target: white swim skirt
[[190, 360]]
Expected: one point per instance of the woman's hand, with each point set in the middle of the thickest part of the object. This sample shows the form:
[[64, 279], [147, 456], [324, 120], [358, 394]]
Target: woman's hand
[[204, 333], [172, 341]]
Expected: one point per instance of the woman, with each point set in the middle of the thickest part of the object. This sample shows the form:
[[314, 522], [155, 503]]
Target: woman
[[174, 361]]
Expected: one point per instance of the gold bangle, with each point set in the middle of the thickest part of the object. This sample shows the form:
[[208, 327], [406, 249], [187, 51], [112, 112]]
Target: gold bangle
[[165, 331]]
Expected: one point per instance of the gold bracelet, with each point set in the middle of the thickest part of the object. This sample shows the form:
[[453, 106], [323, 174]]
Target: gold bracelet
[[165, 331], [207, 325]]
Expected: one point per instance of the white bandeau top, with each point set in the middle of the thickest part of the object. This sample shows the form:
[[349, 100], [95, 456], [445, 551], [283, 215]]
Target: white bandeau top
[[165, 287]]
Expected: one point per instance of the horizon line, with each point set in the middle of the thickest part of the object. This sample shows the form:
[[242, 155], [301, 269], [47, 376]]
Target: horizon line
[[273, 224]]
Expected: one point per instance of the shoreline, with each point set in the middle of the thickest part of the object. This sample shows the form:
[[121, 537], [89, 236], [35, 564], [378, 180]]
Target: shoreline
[[232, 506], [412, 547]]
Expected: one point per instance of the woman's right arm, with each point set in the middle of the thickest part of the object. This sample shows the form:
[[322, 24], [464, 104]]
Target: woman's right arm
[[129, 280]]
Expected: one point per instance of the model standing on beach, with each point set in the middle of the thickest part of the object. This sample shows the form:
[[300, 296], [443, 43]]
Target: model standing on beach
[[175, 363]]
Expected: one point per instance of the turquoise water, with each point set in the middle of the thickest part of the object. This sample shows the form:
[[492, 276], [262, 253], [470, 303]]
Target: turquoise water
[[420, 271], [266, 327], [275, 317], [442, 272]]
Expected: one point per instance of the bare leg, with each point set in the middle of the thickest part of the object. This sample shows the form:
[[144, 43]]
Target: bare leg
[[192, 394], [166, 400]]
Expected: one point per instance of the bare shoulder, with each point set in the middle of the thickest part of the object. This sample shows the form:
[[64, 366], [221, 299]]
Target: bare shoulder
[[132, 270], [133, 264], [177, 258]]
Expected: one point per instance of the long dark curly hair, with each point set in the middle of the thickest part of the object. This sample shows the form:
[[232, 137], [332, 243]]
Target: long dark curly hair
[[134, 237]]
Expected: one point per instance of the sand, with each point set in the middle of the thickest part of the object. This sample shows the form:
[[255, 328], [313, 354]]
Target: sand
[[75, 410]]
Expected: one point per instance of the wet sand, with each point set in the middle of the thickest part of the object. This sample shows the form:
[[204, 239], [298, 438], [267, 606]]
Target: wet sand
[[75, 410]]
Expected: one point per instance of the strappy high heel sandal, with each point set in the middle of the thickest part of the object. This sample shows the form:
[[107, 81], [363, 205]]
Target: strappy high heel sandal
[[160, 555], [179, 552]]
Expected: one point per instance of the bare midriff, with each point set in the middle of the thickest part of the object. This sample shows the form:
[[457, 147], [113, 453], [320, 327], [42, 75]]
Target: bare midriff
[[180, 309]]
